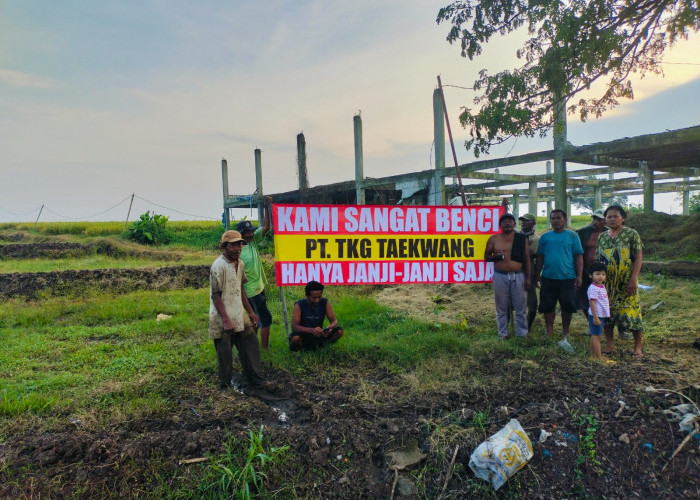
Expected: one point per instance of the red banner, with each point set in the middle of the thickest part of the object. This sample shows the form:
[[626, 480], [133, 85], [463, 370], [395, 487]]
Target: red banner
[[365, 245]]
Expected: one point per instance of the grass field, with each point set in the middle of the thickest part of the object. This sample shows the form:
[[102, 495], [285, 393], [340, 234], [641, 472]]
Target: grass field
[[99, 399]]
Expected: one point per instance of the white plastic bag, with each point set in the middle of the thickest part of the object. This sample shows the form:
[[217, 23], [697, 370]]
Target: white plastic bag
[[502, 455]]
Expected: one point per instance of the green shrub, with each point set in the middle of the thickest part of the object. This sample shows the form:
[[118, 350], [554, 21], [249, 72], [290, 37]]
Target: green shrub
[[150, 229]]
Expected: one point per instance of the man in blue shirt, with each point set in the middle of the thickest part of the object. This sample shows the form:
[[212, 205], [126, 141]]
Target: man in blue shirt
[[560, 260]]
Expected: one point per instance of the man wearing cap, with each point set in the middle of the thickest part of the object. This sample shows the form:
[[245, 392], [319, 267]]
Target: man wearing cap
[[255, 286], [232, 320], [528, 224], [510, 254], [560, 258], [589, 239]]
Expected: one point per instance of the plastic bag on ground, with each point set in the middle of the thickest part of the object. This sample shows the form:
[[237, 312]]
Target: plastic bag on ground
[[566, 345], [502, 455]]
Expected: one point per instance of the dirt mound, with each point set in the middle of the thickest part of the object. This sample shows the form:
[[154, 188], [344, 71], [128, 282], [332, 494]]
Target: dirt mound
[[58, 249], [5, 236], [667, 236], [34, 285]]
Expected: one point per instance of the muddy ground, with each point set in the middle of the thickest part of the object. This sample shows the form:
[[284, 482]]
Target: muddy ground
[[340, 446]]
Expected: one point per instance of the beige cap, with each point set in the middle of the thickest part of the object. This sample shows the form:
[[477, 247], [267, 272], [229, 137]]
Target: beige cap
[[231, 237]]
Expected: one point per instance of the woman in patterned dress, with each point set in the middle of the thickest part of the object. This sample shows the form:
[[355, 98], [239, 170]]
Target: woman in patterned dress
[[620, 249]]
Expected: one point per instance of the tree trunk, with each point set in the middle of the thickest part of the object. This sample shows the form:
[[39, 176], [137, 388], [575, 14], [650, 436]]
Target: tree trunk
[[560, 201]]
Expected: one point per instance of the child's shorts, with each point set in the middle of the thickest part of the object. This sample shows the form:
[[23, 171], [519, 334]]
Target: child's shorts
[[593, 329]]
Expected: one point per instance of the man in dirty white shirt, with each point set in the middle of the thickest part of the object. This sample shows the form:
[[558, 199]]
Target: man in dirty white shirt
[[232, 320]]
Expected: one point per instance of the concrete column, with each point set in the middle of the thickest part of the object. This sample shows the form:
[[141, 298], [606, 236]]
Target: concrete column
[[301, 162], [549, 202], [559, 152], [439, 139], [359, 163], [224, 183], [647, 176], [597, 197], [259, 185], [686, 196], [516, 204], [532, 199], [568, 209]]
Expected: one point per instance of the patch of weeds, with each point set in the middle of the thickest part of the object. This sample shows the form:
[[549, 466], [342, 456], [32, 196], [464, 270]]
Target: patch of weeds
[[588, 426], [438, 301], [462, 323], [481, 419], [230, 478]]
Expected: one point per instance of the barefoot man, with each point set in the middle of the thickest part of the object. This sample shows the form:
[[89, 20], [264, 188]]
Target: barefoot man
[[510, 254]]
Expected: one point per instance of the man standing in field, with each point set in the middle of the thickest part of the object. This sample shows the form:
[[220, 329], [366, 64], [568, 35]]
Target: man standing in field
[[528, 224], [510, 253], [589, 240], [255, 286], [232, 320], [560, 259]]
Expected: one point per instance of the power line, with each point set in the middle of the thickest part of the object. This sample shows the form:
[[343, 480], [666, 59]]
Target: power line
[[458, 87], [173, 210], [19, 214], [89, 216]]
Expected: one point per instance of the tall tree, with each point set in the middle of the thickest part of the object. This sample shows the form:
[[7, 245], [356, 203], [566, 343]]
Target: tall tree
[[571, 45]]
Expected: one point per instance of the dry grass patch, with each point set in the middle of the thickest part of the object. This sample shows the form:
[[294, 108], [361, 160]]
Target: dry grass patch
[[448, 303]]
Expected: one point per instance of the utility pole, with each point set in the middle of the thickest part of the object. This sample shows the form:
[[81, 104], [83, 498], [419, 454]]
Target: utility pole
[[37, 217], [128, 213]]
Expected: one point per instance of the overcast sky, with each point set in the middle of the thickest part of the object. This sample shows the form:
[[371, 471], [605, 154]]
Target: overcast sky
[[99, 100]]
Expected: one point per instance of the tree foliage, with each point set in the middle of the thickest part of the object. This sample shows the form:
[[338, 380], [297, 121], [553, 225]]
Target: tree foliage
[[694, 207], [571, 45]]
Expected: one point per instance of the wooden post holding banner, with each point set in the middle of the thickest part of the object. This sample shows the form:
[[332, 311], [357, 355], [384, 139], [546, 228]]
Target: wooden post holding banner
[[128, 213], [284, 310]]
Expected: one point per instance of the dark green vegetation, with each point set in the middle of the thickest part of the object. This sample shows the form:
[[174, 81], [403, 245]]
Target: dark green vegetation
[[150, 229], [571, 46], [98, 399]]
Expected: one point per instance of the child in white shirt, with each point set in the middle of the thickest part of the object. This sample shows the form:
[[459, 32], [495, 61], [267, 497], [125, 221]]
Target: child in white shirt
[[599, 306]]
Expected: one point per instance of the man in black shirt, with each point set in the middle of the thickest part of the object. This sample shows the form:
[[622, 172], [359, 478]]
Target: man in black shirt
[[308, 317]]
